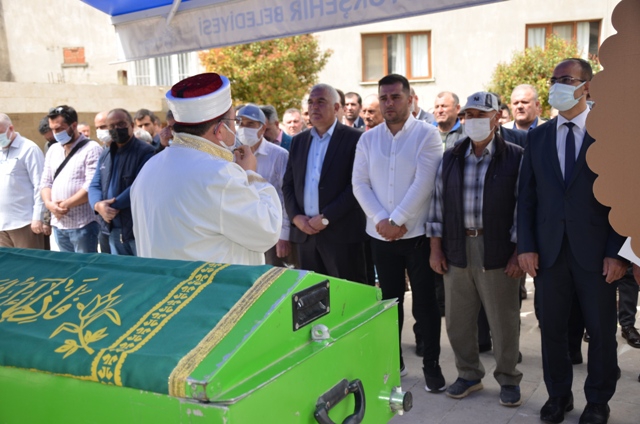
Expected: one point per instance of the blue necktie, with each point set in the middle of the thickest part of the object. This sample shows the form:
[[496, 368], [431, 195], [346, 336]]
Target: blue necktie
[[569, 154]]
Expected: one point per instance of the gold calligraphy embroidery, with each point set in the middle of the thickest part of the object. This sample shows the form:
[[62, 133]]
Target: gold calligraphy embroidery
[[99, 306]]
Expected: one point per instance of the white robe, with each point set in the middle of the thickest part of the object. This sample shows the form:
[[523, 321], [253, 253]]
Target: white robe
[[191, 202]]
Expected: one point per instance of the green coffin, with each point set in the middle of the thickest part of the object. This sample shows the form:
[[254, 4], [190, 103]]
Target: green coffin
[[105, 339]]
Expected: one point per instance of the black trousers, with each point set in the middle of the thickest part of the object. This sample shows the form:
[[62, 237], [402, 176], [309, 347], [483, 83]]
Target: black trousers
[[556, 288], [392, 259], [341, 260], [627, 299]]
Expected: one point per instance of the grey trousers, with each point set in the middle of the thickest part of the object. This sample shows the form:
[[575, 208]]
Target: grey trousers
[[466, 289]]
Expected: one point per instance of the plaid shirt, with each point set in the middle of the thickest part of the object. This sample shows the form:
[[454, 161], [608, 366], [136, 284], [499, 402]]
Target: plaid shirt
[[75, 176], [475, 171]]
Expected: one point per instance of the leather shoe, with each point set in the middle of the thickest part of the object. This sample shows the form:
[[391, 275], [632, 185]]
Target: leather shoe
[[576, 357], [595, 413], [632, 336], [554, 409]]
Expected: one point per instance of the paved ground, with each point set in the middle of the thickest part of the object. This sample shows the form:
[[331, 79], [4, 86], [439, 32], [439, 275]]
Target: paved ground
[[482, 407]]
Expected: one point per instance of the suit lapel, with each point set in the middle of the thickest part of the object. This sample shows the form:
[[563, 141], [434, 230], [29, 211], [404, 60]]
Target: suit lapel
[[553, 149], [334, 143], [582, 157], [306, 146]]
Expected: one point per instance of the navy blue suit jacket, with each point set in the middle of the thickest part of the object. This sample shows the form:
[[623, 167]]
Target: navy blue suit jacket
[[547, 211], [337, 202]]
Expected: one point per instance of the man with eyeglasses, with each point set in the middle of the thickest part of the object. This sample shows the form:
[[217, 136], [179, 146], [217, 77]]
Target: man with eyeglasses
[[192, 201], [566, 243], [68, 169], [118, 167]]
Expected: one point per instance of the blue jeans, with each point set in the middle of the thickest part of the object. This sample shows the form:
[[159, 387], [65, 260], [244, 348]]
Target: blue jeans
[[79, 240], [118, 247]]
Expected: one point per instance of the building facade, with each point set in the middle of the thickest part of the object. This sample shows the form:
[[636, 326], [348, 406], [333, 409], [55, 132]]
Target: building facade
[[458, 50]]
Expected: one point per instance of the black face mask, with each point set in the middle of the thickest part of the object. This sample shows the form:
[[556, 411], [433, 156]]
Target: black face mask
[[120, 135]]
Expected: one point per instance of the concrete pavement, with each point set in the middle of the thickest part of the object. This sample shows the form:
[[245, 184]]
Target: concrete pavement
[[483, 407]]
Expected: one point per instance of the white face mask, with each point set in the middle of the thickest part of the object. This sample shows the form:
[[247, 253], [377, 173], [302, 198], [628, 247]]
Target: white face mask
[[104, 136], [235, 140], [4, 139], [561, 96], [62, 137], [478, 129], [248, 136]]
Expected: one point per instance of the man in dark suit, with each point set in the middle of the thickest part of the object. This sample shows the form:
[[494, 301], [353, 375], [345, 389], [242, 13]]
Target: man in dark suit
[[329, 225], [566, 243]]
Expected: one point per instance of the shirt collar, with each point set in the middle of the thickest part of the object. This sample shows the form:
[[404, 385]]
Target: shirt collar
[[533, 124], [17, 142], [580, 120], [329, 132], [279, 137], [411, 120], [263, 149], [489, 149]]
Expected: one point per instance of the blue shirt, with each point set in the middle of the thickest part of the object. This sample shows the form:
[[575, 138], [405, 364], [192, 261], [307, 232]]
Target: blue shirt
[[317, 152]]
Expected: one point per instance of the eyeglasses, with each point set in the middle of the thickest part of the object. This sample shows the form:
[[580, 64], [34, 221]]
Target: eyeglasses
[[565, 79], [235, 121]]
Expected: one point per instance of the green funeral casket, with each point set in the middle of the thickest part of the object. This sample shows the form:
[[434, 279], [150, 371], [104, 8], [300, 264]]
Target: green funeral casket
[[92, 338]]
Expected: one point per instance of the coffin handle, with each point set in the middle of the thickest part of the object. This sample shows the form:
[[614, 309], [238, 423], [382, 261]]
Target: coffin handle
[[335, 395]]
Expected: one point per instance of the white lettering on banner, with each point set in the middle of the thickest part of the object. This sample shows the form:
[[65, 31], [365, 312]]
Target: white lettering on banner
[[244, 21]]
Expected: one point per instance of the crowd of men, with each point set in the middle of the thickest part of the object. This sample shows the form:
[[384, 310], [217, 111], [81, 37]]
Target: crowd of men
[[462, 201]]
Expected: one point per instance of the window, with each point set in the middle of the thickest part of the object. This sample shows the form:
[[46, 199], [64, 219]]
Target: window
[[165, 70], [407, 54], [585, 33]]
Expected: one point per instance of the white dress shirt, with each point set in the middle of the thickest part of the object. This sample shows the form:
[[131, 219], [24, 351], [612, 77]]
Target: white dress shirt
[[191, 202], [21, 165], [579, 131], [317, 152], [394, 176], [272, 163]]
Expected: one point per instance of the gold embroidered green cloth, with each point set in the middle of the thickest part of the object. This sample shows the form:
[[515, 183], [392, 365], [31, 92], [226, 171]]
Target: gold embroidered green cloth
[[133, 322]]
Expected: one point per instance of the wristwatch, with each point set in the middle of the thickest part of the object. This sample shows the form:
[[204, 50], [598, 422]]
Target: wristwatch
[[393, 223], [325, 221]]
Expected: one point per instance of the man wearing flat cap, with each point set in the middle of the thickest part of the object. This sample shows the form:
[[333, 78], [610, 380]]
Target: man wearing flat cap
[[473, 244], [192, 201]]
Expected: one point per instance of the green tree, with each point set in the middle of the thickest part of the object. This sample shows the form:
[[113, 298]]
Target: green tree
[[534, 66], [278, 72]]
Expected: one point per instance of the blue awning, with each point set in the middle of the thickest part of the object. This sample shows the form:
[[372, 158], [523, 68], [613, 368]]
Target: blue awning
[[149, 28]]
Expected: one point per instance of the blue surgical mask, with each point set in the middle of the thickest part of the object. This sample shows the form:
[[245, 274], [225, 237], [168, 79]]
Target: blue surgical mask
[[4, 139], [62, 137]]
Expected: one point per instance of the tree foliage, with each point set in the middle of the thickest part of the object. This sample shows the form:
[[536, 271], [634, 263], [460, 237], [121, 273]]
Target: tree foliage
[[278, 72], [534, 66]]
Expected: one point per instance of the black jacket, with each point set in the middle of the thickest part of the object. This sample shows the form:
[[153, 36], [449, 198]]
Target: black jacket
[[499, 203], [131, 157]]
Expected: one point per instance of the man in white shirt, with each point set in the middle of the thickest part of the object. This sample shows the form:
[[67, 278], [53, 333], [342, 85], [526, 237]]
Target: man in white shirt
[[191, 201], [21, 206], [272, 164], [393, 179]]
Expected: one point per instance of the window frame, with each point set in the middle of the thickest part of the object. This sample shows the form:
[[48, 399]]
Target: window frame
[[385, 54], [548, 26]]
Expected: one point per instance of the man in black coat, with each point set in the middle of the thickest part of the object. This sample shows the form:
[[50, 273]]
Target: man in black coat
[[566, 243], [328, 224]]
